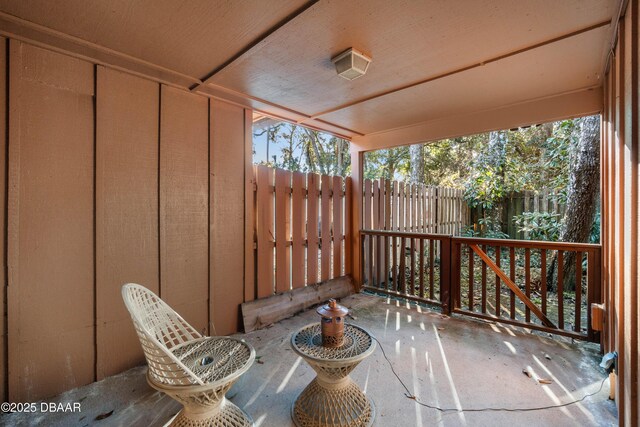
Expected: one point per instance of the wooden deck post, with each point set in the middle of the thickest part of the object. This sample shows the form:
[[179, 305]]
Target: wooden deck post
[[355, 222]]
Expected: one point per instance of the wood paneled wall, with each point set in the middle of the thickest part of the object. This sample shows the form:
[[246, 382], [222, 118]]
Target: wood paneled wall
[[620, 221], [111, 179]]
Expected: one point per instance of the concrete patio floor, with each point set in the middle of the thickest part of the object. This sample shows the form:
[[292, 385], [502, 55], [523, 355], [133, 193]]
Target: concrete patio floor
[[446, 362]]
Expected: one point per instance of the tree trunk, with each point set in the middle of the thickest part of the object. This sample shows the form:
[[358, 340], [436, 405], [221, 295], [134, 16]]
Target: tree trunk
[[416, 153], [497, 153], [583, 193]]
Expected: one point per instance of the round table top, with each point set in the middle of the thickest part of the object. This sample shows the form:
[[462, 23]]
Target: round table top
[[358, 344]]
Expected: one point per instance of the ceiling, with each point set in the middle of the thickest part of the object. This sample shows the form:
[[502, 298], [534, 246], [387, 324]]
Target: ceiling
[[431, 58]]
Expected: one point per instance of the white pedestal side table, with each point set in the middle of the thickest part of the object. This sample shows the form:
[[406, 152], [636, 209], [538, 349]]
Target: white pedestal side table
[[332, 398]]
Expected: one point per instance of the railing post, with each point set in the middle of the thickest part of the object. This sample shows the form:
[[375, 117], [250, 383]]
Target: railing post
[[445, 274]]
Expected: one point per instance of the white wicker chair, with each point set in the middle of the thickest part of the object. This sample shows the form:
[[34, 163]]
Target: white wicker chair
[[196, 371]]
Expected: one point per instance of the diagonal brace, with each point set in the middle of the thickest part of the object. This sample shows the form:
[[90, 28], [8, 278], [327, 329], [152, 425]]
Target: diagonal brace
[[514, 288]]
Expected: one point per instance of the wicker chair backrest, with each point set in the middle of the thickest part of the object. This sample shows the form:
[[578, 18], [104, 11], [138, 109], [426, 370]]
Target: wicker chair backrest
[[160, 329]]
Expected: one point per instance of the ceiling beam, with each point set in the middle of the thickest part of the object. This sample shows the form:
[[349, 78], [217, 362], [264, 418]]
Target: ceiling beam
[[578, 103], [460, 70], [41, 36], [261, 38]]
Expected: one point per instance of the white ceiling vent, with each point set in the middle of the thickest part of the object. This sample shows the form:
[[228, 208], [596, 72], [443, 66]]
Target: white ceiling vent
[[351, 64]]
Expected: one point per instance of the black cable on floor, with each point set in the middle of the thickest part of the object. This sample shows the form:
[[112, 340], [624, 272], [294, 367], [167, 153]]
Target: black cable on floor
[[411, 396]]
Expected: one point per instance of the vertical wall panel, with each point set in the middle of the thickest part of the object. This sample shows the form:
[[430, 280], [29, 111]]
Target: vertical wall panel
[[126, 209], [184, 204], [50, 234], [226, 216], [620, 212], [3, 207]]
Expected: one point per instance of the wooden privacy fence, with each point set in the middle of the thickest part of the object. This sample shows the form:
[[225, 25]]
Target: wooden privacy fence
[[419, 208], [517, 203], [500, 280], [300, 231]]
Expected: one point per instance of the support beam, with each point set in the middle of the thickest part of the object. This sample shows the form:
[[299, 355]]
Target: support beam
[[357, 169], [573, 104]]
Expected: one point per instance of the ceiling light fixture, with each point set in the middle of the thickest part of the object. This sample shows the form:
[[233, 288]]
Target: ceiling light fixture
[[351, 63]]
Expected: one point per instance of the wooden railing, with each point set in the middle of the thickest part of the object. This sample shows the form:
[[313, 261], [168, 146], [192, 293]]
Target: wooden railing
[[545, 286]]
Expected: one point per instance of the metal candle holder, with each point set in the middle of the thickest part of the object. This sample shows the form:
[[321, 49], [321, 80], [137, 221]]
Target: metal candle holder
[[332, 323]]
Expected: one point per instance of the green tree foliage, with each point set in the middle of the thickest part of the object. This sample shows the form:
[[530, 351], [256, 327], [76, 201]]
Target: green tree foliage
[[304, 150]]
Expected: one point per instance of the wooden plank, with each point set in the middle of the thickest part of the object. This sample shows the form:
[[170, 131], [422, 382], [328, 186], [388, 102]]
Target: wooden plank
[[431, 268], [348, 208], [264, 231], [543, 280], [283, 230], [184, 205], [498, 285], [512, 286], [250, 279], [403, 260], [412, 269], [401, 208], [411, 207], [395, 267], [471, 280], [512, 276], [325, 218], [50, 223], [560, 289], [387, 226], [127, 225], [264, 312], [368, 240], [387, 204], [395, 212], [3, 218], [445, 275], [420, 209], [484, 282], [226, 285], [298, 225], [375, 205], [421, 267], [578, 303], [381, 225], [338, 234], [527, 281], [313, 200]]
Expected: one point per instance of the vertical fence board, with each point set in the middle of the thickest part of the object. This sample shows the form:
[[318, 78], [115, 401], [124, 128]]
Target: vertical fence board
[[368, 252], [401, 207], [313, 181], [283, 223], [298, 225], [348, 200], [396, 206], [325, 218], [387, 226], [264, 230], [337, 226]]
